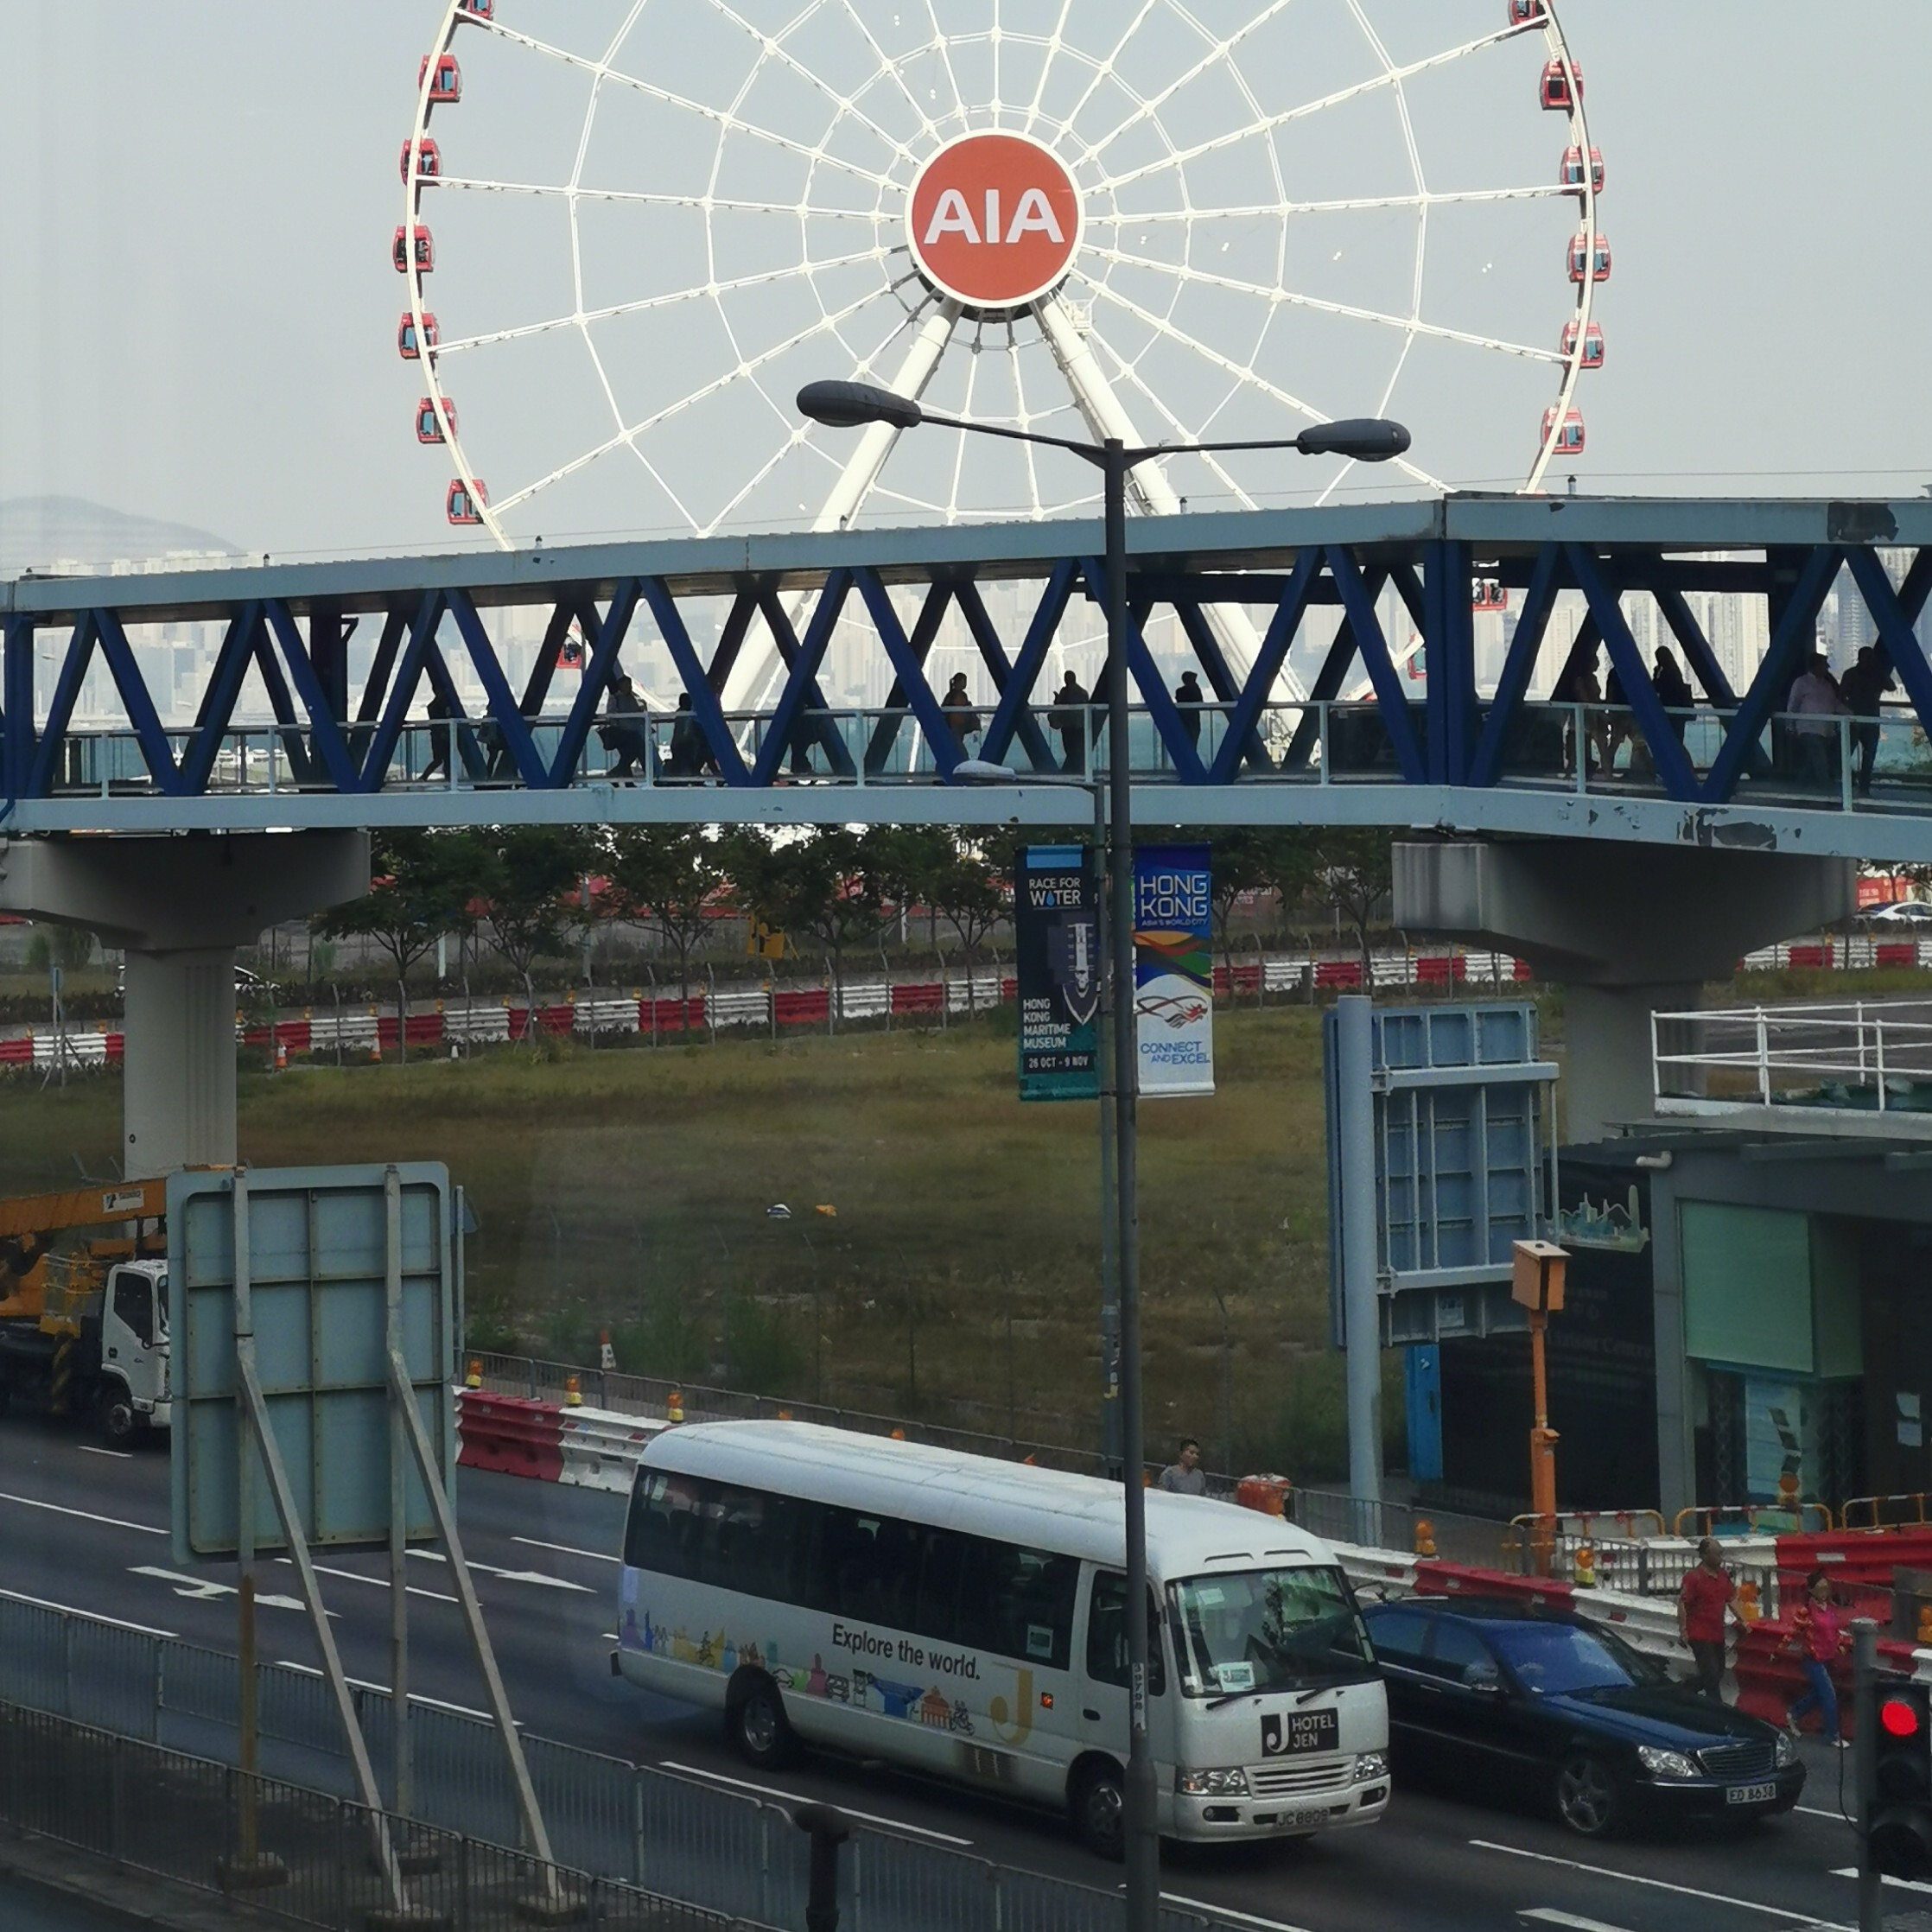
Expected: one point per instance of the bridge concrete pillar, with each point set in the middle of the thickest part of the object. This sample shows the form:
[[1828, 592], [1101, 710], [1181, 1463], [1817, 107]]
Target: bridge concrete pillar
[[1629, 931], [180, 907]]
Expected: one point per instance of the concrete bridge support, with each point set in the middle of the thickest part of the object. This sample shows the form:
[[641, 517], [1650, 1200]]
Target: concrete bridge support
[[1628, 931], [181, 907]]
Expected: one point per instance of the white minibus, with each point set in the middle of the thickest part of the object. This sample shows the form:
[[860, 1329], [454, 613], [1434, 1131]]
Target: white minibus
[[967, 1617]]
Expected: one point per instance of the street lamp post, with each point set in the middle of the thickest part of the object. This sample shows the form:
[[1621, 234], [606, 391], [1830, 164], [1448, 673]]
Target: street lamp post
[[851, 405]]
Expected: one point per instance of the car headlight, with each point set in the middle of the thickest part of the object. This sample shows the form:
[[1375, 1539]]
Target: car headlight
[[1787, 1750], [1230, 1783], [1667, 1764], [1370, 1765]]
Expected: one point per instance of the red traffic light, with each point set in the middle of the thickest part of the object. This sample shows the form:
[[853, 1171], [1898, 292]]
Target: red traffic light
[[1898, 1719]]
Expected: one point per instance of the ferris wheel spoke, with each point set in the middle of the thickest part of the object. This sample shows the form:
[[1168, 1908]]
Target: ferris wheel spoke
[[620, 77], [1127, 372], [1268, 123], [827, 324], [1052, 43], [1280, 297], [775, 49], [888, 68], [1219, 51], [1107, 68], [1358, 204], [700, 203]]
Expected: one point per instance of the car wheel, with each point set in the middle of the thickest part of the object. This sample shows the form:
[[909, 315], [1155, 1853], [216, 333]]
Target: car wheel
[[758, 1729], [1100, 1812], [1587, 1798], [115, 1415]]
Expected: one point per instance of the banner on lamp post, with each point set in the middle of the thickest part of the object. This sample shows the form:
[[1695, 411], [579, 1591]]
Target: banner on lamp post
[[1056, 944], [1173, 969]]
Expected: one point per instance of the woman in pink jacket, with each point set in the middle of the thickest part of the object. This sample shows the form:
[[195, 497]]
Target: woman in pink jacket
[[1817, 1637]]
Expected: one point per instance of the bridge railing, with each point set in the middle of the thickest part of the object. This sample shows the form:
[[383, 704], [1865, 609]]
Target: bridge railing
[[1839, 764], [1873, 1058]]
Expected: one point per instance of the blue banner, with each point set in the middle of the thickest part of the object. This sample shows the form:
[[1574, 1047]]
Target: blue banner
[[1057, 943]]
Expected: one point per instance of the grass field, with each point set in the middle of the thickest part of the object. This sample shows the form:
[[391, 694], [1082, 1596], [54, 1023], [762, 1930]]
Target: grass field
[[627, 1189]]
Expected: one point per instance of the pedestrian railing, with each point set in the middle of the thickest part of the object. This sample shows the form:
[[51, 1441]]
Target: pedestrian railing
[[159, 1792]]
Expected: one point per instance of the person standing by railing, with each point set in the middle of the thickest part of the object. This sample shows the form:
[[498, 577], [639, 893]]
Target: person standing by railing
[[1816, 706]]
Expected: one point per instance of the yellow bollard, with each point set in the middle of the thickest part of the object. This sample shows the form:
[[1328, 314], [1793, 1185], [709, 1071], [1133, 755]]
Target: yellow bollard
[[674, 1409], [899, 1435], [1750, 1610], [573, 1396], [474, 1378], [1425, 1537], [1584, 1571]]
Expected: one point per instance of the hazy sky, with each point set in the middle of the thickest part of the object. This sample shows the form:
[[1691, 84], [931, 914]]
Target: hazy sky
[[197, 318]]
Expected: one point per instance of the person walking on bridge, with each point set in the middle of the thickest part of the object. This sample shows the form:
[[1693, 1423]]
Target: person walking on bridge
[[1705, 1604], [1185, 1475]]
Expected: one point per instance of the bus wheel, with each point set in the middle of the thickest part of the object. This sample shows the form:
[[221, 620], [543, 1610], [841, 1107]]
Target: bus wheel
[[757, 1726], [1100, 1812]]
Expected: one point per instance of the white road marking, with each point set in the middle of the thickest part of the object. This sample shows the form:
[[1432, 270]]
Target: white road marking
[[206, 1590], [1546, 1915], [381, 1583], [362, 1683], [1812, 1811], [1904, 1884], [565, 1549], [85, 1516], [92, 1616], [1660, 1884], [1222, 1912], [119, 1455], [793, 1797], [510, 1576]]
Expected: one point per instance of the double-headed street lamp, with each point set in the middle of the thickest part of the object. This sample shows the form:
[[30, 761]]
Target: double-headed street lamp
[[852, 405]]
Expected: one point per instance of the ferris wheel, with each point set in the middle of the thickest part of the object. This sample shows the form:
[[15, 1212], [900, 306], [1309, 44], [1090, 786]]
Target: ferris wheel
[[1162, 220]]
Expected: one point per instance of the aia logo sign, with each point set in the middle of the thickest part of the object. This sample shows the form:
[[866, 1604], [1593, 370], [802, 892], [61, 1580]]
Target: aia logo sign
[[995, 220]]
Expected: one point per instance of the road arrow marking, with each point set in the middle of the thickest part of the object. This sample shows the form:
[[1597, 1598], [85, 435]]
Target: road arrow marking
[[206, 1590]]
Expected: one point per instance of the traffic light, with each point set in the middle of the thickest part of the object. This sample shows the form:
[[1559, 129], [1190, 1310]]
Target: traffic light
[[1898, 1808]]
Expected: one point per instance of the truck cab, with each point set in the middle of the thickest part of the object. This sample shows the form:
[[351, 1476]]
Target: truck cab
[[134, 1347]]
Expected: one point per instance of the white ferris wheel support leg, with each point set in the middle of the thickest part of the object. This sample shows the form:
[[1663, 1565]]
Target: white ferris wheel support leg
[[756, 667], [1106, 415]]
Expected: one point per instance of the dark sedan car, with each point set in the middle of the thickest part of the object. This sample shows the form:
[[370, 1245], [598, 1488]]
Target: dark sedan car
[[1545, 1705]]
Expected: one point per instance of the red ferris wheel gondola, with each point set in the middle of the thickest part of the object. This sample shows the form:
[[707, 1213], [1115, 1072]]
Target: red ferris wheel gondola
[[1592, 345], [425, 252], [447, 89], [1590, 255], [466, 500], [1523, 12], [429, 162], [428, 424], [1556, 86], [477, 9], [1569, 436], [1490, 596], [1572, 177], [407, 346]]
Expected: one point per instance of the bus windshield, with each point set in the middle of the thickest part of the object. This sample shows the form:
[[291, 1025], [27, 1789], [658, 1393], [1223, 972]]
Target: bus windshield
[[1267, 1630]]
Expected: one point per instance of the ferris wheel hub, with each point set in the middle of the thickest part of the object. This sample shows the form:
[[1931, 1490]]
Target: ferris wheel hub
[[995, 221]]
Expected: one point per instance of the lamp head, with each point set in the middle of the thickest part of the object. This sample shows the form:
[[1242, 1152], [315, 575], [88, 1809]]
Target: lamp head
[[846, 405], [1365, 439]]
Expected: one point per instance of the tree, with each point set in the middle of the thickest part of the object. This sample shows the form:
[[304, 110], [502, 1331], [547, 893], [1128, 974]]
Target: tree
[[670, 875], [823, 885], [1357, 873], [420, 889], [532, 877], [932, 866]]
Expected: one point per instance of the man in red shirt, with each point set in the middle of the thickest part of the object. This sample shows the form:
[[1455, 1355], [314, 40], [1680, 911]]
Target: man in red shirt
[[1702, 1606]]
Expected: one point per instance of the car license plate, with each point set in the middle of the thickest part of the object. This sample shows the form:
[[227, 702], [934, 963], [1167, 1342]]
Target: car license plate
[[1751, 1794], [1303, 1821]]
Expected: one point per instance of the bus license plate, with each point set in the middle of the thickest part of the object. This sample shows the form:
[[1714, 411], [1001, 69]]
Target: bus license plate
[[1751, 1794]]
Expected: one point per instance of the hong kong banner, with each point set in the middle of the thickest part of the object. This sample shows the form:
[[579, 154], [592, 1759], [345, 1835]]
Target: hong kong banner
[[1057, 928], [1173, 969]]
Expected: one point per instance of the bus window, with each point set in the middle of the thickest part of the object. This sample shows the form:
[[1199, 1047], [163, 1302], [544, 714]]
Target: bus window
[[1022, 1605], [1106, 1635], [1267, 1629], [663, 1531], [942, 1570]]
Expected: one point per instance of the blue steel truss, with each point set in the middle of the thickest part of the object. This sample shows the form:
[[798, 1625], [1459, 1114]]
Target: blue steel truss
[[1438, 752]]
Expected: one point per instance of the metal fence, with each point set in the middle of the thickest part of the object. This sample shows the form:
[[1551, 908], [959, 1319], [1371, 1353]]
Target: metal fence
[[307, 1856], [719, 1857]]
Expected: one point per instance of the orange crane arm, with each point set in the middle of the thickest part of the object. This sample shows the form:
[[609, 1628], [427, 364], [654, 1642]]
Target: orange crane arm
[[83, 1207]]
